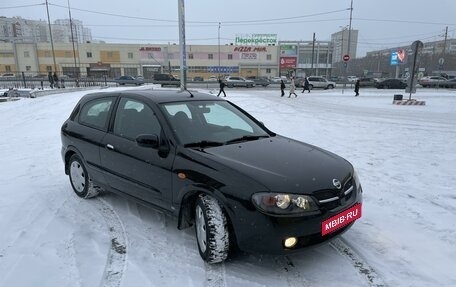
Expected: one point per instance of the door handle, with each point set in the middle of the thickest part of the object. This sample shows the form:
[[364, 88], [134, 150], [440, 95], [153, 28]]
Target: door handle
[[110, 146]]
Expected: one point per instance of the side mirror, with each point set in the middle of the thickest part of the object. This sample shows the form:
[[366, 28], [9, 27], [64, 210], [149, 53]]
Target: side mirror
[[151, 141]]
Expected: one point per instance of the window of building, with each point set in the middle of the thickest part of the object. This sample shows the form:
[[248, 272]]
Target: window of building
[[109, 54], [230, 56], [28, 68], [268, 71], [131, 72], [26, 54], [68, 54], [48, 68], [210, 56], [47, 54], [7, 68], [268, 57], [89, 54], [190, 56], [130, 55]]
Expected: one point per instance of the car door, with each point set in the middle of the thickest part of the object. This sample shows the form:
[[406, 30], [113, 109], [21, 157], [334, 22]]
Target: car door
[[87, 132], [142, 172]]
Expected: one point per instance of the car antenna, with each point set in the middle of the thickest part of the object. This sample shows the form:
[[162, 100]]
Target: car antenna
[[191, 95]]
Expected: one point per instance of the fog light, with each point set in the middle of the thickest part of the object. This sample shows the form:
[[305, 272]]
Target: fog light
[[290, 242]]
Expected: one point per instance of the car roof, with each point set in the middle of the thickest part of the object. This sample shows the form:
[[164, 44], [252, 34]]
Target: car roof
[[157, 96]]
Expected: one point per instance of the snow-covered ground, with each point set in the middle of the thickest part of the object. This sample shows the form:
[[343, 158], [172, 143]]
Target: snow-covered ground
[[406, 160]]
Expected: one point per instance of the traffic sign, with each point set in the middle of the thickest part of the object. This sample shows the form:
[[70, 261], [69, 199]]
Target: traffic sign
[[346, 57]]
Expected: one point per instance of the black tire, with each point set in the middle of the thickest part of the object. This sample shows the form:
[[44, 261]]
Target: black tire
[[79, 178], [211, 229], [311, 87], [330, 87]]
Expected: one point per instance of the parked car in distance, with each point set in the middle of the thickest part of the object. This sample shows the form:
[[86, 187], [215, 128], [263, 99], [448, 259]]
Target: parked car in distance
[[234, 81], [451, 84], [432, 81], [212, 165], [320, 82], [299, 81], [367, 82], [260, 81], [166, 80], [352, 79], [129, 80], [212, 79], [198, 79], [276, 80], [391, 84]]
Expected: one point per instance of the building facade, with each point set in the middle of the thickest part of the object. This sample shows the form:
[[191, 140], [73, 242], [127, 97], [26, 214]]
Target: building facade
[[113, 60], [340, 41]]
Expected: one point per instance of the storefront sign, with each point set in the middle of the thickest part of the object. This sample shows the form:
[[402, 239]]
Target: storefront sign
[[256, 39], [155, 49], [288, 62], [249, 56], [250, 49], [288, 50]]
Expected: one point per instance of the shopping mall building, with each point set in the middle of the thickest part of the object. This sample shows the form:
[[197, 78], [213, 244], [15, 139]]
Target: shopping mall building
[[268, 59]]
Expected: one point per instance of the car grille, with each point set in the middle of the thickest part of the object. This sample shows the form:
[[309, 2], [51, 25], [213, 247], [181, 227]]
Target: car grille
[[332, 198]]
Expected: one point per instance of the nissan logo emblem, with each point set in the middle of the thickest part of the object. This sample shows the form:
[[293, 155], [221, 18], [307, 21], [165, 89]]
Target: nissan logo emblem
[[337, 183]]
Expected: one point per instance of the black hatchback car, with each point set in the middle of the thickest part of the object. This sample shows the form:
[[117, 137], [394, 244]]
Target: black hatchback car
[[212, 165]]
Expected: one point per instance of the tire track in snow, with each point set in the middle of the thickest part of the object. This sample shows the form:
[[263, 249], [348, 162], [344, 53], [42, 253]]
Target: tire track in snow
[[215, 275], [117, 256], [292, 276], [363, 268]]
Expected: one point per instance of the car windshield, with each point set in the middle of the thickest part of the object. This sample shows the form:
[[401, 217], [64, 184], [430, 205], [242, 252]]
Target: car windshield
[[211, 123]]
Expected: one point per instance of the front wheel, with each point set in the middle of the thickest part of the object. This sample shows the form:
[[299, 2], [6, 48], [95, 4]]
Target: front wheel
[[330, 87], [80, 179], [211, 229]]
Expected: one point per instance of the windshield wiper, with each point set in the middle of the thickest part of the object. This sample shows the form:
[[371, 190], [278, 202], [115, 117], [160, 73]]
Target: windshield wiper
[[245, 139], [204, 143]]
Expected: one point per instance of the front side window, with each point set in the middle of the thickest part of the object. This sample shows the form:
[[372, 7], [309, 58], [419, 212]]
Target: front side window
[[209, 121], [134, 118], [95, 113]]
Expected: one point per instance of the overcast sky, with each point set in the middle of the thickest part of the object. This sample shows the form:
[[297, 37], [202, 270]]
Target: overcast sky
[[381, 24]]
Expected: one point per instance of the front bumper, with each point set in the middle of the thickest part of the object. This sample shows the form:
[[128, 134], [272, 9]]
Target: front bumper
[[261, 233]]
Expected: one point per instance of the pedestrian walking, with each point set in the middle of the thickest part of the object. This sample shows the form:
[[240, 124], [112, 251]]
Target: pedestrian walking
[[51, 80], [357, 88], [306, 85], [282, 88], [292, 88], [222, 88], [56, 80]]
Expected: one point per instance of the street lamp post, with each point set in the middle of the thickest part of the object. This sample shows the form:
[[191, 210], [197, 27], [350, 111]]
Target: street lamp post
[[50, 34], [219, 51]]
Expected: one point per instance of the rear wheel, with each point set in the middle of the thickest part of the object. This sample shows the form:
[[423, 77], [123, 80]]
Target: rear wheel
[[211, 229], [80, 179], [330, 87], [311, 87]]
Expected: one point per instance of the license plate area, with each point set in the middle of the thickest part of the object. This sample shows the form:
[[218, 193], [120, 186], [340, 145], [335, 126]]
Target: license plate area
[[341, 219]]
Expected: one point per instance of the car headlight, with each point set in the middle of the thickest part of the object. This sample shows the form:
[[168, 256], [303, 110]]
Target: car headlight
[[283, 204]]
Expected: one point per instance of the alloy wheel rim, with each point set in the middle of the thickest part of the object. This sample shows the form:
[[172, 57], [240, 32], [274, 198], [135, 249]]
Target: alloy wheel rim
[[77, 176], [201, 229]]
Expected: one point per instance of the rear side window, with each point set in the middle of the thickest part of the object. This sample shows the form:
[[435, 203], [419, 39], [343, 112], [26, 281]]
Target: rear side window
[[95, 113]]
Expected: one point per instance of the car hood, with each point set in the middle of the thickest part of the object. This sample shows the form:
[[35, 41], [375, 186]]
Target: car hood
[[283, 164]]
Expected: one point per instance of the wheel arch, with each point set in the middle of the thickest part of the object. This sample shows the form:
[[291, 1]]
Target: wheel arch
[[186, 214], [70, 151]]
